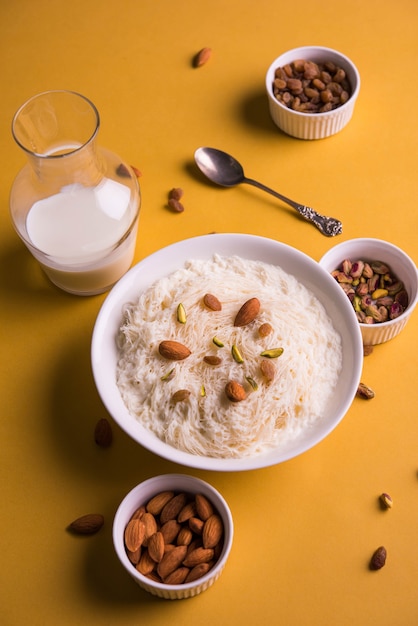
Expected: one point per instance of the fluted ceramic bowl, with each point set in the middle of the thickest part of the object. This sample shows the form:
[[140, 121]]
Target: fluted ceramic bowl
[[312, 125], [369, 249], [139, 496]]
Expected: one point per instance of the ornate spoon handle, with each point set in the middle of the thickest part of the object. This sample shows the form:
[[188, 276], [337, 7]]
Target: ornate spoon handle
[[328, 226]]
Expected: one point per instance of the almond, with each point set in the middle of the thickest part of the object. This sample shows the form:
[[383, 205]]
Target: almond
[[146, 563], [176, 193], [134, 557], [150, 527], [211, 359], [212, 531], [134, 534], [103, 434], [202, 57], [196, 525], [185, 536], [156, 546], [173, 350], [268, 370], [177, 577], [212, 302], [248, 312], [265, 329], [87, 524], [197, 572], [188, 511], [197, 556], [139, 512], [171, 561], [175, 205], [235, 391], [203, 506], [170, 530], [173, 507], [180, 395], [157, 503]]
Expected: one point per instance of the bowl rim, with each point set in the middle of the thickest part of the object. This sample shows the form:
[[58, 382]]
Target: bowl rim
[[104, 351], [307, 115], [175, 482], [367, 241]]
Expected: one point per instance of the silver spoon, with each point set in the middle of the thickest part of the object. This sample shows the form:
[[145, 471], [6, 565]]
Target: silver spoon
[[223, 169]]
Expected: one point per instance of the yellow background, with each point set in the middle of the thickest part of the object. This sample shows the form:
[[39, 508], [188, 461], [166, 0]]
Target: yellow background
[[304, 530]]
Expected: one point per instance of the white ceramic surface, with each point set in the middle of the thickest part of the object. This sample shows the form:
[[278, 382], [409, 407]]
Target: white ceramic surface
[[104, 351], [141, 494], [369, 249], [312, 125]]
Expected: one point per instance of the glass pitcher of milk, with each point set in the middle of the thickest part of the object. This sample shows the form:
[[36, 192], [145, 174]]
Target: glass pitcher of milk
[[75, 205]]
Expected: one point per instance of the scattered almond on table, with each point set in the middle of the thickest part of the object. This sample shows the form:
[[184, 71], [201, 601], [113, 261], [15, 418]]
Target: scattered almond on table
[[87, 524], [202, 57]]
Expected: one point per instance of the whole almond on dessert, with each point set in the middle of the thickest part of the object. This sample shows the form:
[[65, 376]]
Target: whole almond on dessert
[[212, 531], [203, 507], [171, 561], [197, 556], [103, 434], [87, 524], [173, 350], [268, 370], [212, 302], [235, 391], [156, 546], [157, 503], [212, 359], [202, 57], [134, 534], [248, 312]]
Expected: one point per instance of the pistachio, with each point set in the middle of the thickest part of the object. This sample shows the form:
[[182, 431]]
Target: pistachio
[[253, 384], [218, 342], [273, 353], [169, 375], [379, 268], [357, 269], [236, 354], [386, 500], [365, 392], [181, 314], [202, 391], [379, 293], [378, 559]]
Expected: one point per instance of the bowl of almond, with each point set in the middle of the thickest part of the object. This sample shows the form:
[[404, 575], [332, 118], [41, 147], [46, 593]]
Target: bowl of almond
[[173, 534], [312, 91], [381, 282]]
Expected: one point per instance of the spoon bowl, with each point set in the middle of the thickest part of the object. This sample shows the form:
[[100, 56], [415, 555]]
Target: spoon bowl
[[222, 169]]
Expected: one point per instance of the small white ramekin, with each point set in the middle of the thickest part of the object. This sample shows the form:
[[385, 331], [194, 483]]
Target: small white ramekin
[[141, 494], [400, 263], [312, 125]]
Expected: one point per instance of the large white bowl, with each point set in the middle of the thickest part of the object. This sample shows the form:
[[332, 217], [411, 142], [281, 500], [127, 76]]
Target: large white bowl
[[105, 354], [369, 249]]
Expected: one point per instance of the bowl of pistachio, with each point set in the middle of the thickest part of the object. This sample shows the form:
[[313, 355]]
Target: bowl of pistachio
[[380, 281]]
